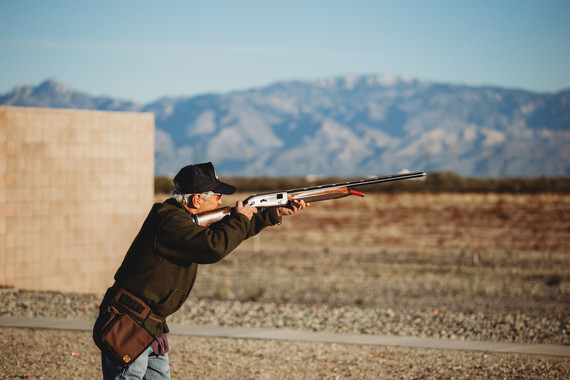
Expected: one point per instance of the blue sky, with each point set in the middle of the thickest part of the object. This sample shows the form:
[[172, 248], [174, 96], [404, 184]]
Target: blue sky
[[143, 50]]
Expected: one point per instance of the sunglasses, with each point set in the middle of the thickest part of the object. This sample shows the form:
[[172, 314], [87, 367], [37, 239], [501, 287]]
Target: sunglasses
[[218, 196]]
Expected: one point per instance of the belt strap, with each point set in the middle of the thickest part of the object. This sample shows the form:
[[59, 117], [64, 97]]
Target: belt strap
[[135, 305]]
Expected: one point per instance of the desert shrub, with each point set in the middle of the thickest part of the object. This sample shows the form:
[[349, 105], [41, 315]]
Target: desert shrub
[[553, 280], [163, 185]]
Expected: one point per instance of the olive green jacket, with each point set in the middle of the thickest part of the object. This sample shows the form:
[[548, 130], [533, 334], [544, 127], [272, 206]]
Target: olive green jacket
[[160, 266]]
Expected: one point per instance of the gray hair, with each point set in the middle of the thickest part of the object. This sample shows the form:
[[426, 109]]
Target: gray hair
[[186, 199]]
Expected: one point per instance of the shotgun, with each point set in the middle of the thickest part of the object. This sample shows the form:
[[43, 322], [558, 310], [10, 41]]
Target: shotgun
[[308, 194]]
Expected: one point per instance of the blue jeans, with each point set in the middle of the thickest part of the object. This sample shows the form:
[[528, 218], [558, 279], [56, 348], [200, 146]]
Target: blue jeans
[[148, 366]]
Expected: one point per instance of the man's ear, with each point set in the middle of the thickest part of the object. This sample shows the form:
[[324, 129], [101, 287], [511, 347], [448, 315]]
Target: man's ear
[[196, 201]]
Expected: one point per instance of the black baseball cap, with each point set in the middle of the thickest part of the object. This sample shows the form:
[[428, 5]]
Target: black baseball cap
[[200, 178]]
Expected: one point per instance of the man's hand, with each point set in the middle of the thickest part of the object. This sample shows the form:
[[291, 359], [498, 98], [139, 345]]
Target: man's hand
[[292, 208], [246, 210]]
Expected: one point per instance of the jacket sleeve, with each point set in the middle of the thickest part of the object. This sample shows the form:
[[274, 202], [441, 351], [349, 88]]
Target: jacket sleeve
[[264, 218], [181, 240]]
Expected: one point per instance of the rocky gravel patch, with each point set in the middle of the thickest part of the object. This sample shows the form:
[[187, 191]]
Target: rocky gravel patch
[[49, 354], [505, 327]]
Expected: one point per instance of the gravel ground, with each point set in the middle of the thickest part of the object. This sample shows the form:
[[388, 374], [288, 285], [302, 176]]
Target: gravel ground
[[48, 354]]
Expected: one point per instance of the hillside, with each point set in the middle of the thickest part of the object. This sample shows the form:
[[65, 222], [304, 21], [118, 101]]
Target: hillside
[[347, 126]]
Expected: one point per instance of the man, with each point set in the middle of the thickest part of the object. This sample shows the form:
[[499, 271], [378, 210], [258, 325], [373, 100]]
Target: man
[[159, 269]]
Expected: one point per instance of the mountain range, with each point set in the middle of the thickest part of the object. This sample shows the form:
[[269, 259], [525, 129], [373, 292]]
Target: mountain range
[[347, 126]]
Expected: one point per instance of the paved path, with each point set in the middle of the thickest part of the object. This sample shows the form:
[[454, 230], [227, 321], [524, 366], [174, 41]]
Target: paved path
[[305, 336]]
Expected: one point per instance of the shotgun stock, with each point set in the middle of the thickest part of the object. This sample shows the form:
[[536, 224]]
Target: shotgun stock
[[308, 194]]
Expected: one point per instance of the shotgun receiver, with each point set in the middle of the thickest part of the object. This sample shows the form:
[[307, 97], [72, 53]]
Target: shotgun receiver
[[308, 194]]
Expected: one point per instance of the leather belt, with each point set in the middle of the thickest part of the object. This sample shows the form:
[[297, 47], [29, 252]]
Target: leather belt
[[137, 307]]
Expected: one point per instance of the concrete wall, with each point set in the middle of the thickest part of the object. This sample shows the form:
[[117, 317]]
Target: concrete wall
[[75, 187]]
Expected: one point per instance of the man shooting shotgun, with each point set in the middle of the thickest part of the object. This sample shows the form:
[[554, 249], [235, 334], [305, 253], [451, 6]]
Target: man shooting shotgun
[[159, 269]]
